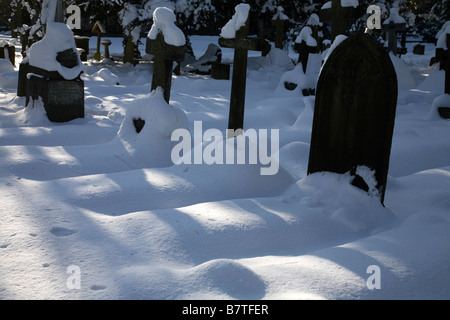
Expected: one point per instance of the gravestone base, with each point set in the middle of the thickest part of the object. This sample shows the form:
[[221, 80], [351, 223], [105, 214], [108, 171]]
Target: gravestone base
[[444, 112], [220, 71], [63, 99]]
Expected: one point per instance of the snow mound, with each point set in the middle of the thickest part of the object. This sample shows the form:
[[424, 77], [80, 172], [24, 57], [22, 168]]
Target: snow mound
[[161, 119]]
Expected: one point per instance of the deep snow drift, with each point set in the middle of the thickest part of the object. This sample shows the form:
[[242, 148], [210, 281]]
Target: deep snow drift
[[92, 210]]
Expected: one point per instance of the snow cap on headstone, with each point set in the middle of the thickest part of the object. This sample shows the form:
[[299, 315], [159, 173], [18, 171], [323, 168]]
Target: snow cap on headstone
[[394, 17], [237, 21], [344, 4], [43, 53], [306, 35], [164, 22], [280, 14], [442, 36]]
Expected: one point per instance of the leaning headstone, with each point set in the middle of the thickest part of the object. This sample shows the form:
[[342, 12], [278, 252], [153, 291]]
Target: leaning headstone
[[56, 81], [392, 26], [204, 64], [354, 113], [339, 13], [168, 44], [234, 35]]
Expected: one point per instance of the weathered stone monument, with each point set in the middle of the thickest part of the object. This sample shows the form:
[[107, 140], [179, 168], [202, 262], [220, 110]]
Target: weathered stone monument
[[392, 26], [53, 74], [355, 113], [339, 13], [235, 35]]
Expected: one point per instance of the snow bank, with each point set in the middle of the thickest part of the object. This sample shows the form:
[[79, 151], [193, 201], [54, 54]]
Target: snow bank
[[43, 54], [154, 141], [237, 21], [164, 22]]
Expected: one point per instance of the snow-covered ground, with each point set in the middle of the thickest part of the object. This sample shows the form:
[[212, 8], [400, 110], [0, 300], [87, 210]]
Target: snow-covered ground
[[91, 210]]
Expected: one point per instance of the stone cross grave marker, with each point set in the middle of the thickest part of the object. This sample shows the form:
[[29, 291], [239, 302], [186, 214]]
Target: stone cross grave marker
[[241, 44], [392, 26], [339, 16], [355, 113]]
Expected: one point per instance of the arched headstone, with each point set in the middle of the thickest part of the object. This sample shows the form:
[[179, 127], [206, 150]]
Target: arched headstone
[[355, 112]]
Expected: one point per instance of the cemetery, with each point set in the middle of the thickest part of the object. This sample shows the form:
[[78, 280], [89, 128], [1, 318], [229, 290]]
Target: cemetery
[[274, 152]]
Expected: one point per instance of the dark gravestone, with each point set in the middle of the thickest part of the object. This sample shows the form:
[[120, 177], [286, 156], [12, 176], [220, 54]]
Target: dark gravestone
[[447, 67], [355, 112], [63, 99], [339, 17], [392, 29], [241, 45], [445, 111], [8, 52], [220, 71], [419, 49], [83, 43]]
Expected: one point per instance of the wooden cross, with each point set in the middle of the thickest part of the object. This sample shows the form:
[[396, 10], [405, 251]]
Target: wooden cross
[[165, 54], [391, 29], [279, 23], [98, 28], [338, 16], [242, 44]]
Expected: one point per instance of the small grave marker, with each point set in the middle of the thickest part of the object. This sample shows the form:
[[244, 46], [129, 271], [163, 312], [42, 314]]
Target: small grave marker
[[304, 45], [235, 35], [392, 26], [355, 112], [339, 15], [98, 28]]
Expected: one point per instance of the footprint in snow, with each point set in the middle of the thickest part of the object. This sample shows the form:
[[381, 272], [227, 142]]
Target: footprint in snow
[[62, 232], [97, 287]]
